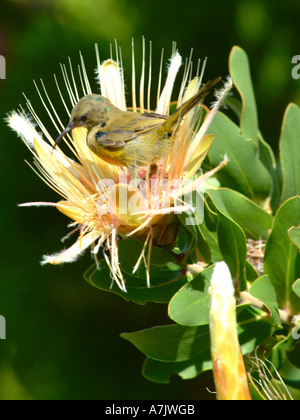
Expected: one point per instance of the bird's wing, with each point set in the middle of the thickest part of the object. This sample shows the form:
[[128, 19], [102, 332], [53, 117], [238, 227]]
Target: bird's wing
[[120, 133], [115, 138], [152, 115]]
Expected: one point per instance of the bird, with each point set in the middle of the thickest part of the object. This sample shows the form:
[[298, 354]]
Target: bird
[[125, 138]]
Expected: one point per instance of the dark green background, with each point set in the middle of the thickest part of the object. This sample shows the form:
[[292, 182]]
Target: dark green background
[[62, 335]]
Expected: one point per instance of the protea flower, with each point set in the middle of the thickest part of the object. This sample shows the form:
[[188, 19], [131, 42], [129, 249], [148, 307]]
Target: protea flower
[[228, 364], [96, 195]]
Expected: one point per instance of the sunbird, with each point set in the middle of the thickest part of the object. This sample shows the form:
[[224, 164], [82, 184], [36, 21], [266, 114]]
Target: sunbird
[[125, 138]]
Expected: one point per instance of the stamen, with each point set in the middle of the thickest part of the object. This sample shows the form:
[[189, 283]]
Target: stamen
[[68, 84], [87, 90], [142, 80], [149, 77], [165, 98], [133, 88], [52, 107], [23, 127], [73, 80], [112, 86], [61, 95], [159, 78], [197, 139]]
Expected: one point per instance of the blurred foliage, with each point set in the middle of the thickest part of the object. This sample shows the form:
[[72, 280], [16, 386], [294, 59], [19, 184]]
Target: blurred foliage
[[62, 335]]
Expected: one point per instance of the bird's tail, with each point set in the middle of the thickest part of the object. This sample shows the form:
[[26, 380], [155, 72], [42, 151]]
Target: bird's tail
[[189, 104]]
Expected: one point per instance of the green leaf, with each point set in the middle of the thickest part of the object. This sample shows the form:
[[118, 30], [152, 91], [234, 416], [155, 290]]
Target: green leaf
[[263, 290], [296, 287], [278, 355], [294, 354], [244, 171], [282, 258], [289, 152], [240, 72], [184, 240], [255, 221], [161, 372], [185, 350], [234, 104], [267, 157], [170, 343], [208, 229], [232, 241], [176, 343], [294, 234], [241, 75], [129, 251], [252, 332], [250, 272], [253, 328], [190, 305], [192, 223], [162, 287]]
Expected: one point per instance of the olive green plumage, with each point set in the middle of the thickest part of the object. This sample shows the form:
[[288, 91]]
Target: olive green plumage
[[124, 138]]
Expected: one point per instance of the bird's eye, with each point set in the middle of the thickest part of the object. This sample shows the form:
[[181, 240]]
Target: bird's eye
[[103, 124], [83, 118]]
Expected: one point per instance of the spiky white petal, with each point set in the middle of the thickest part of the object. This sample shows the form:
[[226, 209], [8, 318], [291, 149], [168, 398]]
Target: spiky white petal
[[165, 97], [112, 84], [25, 129], [73, 253]]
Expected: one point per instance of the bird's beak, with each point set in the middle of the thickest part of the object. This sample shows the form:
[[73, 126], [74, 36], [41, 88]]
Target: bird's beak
[[68, 128]]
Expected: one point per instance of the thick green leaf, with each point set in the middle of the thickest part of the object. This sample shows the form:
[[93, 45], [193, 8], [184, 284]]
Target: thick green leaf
[[294, 234], [208, 229], [263, 290], [267, 157], [192, 223], [290, 152], [294, 354], [253, 328], [250, 272], [296, 287], [255, 221], [278, 355], [244, 171], [252, 332], [234, 104], [290, 374], [240, 72], [232, 241], [161, 372], [190, 305], [282, 258], [170, 343], [185, 350], [129, 251], [162, 288]]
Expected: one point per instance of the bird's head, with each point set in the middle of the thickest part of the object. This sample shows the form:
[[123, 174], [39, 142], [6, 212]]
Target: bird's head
[[89, 111]]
